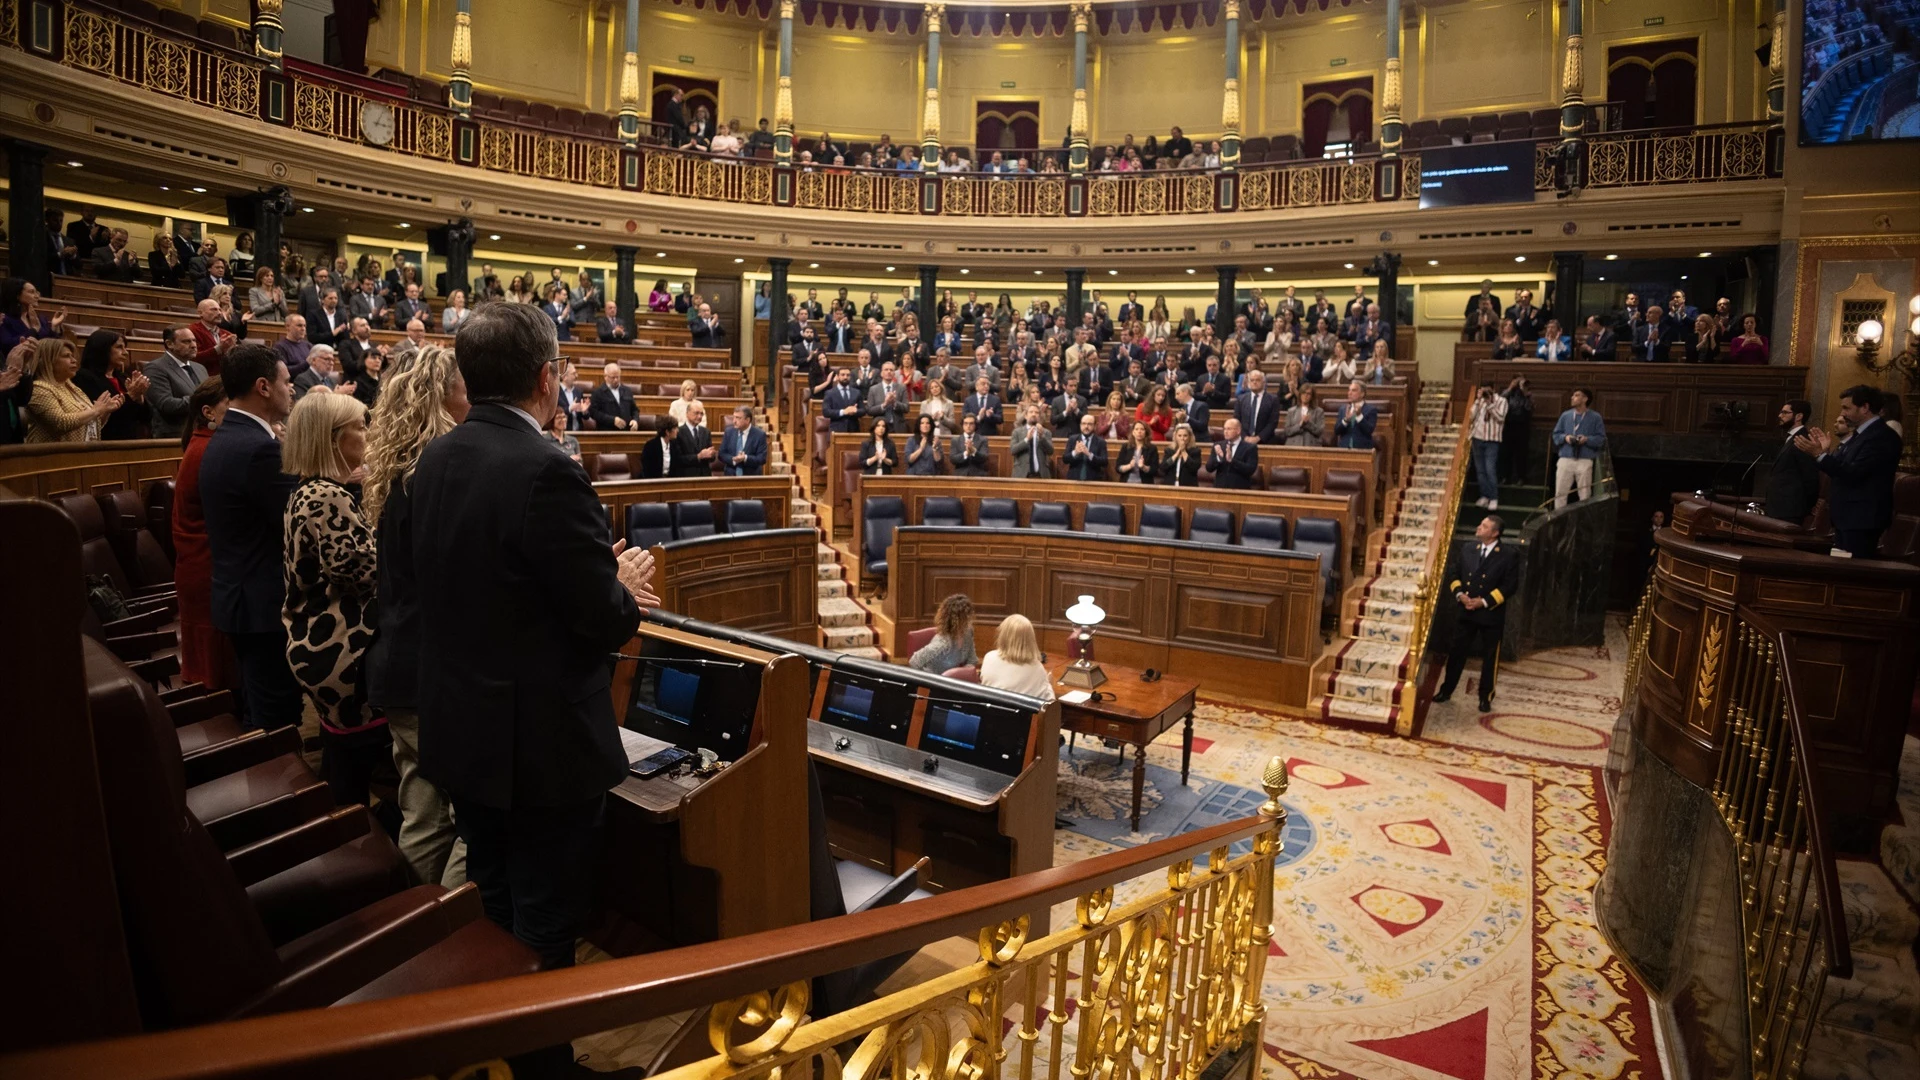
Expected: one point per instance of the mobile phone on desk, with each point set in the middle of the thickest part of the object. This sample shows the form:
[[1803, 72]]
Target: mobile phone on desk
[[653, 765]]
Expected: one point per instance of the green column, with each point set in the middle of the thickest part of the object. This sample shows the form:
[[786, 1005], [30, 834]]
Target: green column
[[1077, 127], [783, 94], [930, 116], [267, 30], [1573, 104]]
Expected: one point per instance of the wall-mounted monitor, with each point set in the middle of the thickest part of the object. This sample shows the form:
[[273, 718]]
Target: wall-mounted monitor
[[1476, 174], [1859, 61]]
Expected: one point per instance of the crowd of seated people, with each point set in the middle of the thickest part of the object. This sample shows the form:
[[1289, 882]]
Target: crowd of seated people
[[1651, 332]]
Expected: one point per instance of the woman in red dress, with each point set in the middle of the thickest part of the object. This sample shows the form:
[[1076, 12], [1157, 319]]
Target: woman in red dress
[[205, 655]]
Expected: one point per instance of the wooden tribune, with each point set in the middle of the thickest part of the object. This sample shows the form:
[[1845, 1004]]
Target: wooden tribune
[[50, 470], [1246, 621], [698, 859], [760, 581]]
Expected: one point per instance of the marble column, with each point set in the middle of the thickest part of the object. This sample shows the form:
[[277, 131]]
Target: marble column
[[930, 118], [1076, 289], [1573, 104], [460, 82], [630, 79], [1225, 301], [27, 254], [777, 319], [783, 93], [1230, 97], [1391, 128], [267, 31], [1077, 126], [623, 293]]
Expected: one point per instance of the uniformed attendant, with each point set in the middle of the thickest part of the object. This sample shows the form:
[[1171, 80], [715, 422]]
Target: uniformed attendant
[[1481, 584]]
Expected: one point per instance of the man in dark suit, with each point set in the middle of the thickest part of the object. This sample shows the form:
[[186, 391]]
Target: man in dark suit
[[1654, 336], [969, 450], [171, 379], [1234, 459], [1794, 484], [743, 449], [661, 455], [842, 403], [244, 496], [522, 598], [572, 400], [85, 234], [984, 406], [1861, 471], [113, 262], [216, 275], [411, 307], [839, 337], [1258, 411], [1068, 410], [693, 454], [1527, 319], [610, 328], [1191, 411], [707, 331], [612, 406], [309, 298], [1354, 429], [1215, 387], [1086, 453], [1481, 583], [1485, 293], [1031, 447], [329, 324]]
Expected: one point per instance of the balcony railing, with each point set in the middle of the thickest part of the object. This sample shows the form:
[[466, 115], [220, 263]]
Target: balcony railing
[[131, 51]]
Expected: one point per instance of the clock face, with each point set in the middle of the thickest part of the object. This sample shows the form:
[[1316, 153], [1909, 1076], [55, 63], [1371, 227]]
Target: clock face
[[376, 123]]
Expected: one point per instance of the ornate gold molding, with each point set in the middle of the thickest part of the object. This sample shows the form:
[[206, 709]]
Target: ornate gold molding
[[1082, 16], [783, 104], [1573, 77], [935, 12], [1390, 91], [1230, 107], [462, 57], [269, 7], [1232, 10], [1077, 126], [1777, 48], [630, 83], [930, 118], [786, 9]]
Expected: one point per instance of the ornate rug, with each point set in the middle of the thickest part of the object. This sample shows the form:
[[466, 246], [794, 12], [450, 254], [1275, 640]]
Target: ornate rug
[[1433, 911]]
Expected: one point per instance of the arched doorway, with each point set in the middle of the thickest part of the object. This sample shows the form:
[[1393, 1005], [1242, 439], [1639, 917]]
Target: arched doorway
[[1655, 82], [1336, 113], [1006, 126], [697, 93]]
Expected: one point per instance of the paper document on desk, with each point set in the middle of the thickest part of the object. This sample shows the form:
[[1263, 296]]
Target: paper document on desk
[[640, 747], [1075, 697]]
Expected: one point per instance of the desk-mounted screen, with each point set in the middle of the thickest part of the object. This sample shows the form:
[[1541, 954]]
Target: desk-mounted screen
[[694, 699], [989, 736], [1476, 174], [1858, 60], [882, 708]]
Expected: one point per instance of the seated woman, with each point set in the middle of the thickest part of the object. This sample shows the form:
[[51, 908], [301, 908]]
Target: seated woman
[[557, 431], [877, 457], [329, 610], [1508, 345], [952, 644], [1014, 663], [925, 447], [1749, 347], [1703, 345]]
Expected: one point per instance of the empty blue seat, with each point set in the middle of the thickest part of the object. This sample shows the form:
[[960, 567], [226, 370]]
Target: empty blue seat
[[746, 515], [1211, 527], [1321, 537], [1051, 516], [880, 515], [1159, 521], [942, 510], [998, 514], [648, 524], [693, 519], [1104, 518], [1268, 531]]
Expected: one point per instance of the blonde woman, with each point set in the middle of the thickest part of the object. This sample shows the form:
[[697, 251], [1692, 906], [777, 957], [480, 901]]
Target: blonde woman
[[946, 416], [689, 396], [329, 606], [1014, 662], [59, 411], [417, 406], [1180, 465]]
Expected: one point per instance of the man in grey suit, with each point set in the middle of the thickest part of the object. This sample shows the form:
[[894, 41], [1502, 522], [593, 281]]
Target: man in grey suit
[[1032, 448], [171, 380], [887, 399]]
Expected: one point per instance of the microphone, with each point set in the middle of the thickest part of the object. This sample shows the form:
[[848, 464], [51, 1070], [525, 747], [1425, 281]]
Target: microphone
[[671, 660]]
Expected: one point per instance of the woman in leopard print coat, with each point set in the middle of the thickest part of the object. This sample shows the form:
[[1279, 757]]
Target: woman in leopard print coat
[[329, 610]]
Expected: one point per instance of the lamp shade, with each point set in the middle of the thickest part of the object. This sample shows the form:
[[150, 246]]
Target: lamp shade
[[1086, 613], [1868, 332]]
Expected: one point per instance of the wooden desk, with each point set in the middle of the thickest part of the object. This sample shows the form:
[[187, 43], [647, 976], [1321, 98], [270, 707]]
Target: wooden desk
[[1139, 713]]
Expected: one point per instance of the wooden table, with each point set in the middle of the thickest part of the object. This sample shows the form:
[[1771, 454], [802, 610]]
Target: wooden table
[[1137, 713]]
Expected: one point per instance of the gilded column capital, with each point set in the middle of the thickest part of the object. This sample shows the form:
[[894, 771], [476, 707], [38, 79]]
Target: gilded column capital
[[930, 118], [1573, 75], [1777, 48], [1232, 9], [1077, 126], [1390, 91], [1082, 15], [786, 9], [1230, 106], [630, 82], [783, 103], [462, 40], [269, 7], [935, 12]]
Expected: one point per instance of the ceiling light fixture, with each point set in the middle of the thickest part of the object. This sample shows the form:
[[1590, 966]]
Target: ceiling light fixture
[[1603, 278], [739, 260], [1116, 273], [1433, 262], [1349, 266], [406, 225], [1706, 254], [1037, 273], [493, 236], [964, 270], [889, 269], [579, 247], [1266, 269], [73, 165], [306, 209], [1191, 270], [1683, 277], [813, 266], [659, 254], [1519, 258], [1611, 258], [199, 191]]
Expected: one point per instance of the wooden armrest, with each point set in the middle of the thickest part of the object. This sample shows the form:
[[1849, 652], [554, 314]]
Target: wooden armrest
[[262, 859], [396, 931], [239, 753], [272, 817], [156, 670], [143, 604], [194, 710], [136, 647], [184, 692], [152, 619]]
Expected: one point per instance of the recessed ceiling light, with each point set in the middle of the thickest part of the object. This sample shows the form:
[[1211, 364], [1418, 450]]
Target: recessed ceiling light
[[164, 187], [1683, 277], [1116, 273], [493, 236], [73, 165], [813, 266], [889, 269], [579, 247], [406, 225], [1603, 278], [1706, 254], [1191, 270], [306, 209], [199, 191], [739, 260], [1433, 262], [1037, 273], [1610, 258], [1349, 266], [1519, 258], [1266, 269], [659, 254]]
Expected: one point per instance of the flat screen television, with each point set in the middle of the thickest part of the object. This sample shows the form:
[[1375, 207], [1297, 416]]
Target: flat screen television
[[882, 708], [1476, 174], [694, 699], [978, 733], [1859, 72]]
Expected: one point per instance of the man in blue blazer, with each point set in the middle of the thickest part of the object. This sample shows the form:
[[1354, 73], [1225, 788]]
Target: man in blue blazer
[[244, 495], [743, 449], [1860, 494], [1354, 429]]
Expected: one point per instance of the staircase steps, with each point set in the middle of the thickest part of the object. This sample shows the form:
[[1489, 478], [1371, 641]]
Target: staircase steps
[[845, 623]]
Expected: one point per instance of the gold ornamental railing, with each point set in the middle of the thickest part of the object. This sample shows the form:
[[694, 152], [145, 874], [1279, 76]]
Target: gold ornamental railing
[[1147, 982], [147, 56], [1438, 548], [1789, 889]]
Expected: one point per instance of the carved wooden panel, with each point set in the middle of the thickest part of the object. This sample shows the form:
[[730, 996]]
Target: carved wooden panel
[[761, 581]]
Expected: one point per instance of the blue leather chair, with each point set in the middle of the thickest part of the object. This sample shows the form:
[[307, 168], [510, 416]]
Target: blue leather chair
[[746, 515], [648, 524], [1211, 527], [1268, 531], [1159, 521], [880, 515], [693, 519], [1105, 519], [1051, 516], [942, 510], [998, 514], [1321, 537]]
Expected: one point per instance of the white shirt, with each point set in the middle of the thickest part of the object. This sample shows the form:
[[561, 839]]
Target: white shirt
[[1029, 678], [524, 415], [238, 411]]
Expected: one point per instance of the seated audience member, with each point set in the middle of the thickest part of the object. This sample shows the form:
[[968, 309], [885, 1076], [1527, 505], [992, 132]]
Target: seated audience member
[[1214, 386], [1114, 421], [1086, 452], [415, 340], [1014, 662], [1305, 424], [368, 303], [925, 451], [1595, 342], [456, 311], [1379, 369], [106, 367], [411, 307], [1703, 345], [969, 449], [1234, 460], [660, 456], [329, 609], [112, 261], [1553, 345], [319, 371], [938, 407], [1137, 461], [164, 268], [58, 410], [568, 443], [708, 333], [609, 327], [205, 656], [983, 405], [694, 455], [1031, 446], [1506, 346], [689, 396], [952, 644], [211, 340], [1258, 411], [743, 448], [1652, 341], [1354, 429], [612, 407], [877, 456], [1750, 347]]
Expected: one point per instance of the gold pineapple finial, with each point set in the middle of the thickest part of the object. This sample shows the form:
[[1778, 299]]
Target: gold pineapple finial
[[1274, 782]]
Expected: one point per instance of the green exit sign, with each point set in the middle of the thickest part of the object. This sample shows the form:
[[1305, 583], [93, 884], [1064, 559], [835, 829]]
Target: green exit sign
[[1006, 84], [686, 59], [1338, 61], [1657, 20]]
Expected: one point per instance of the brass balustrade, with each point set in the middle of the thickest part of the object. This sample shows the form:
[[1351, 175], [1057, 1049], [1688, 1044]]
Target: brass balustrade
[[1789, 902], [1438, 549], [146, 56]]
